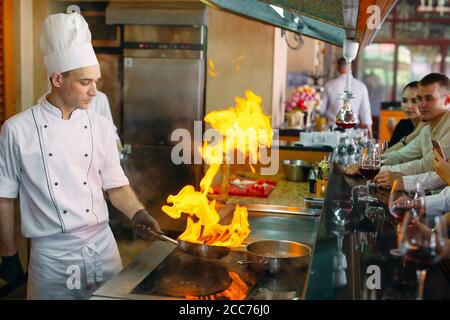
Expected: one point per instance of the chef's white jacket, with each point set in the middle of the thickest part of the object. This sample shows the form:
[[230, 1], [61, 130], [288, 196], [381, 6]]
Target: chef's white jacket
[[59, 168], [332, 103], [99, 105]]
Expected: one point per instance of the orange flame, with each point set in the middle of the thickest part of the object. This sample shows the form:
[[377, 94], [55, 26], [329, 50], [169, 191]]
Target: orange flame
[[244, 128], [237, 290]]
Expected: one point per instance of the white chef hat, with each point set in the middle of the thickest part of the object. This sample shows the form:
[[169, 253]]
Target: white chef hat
[[66, 43]]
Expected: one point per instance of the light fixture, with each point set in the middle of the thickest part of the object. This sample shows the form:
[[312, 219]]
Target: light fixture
[[345, 118], [278, 10]]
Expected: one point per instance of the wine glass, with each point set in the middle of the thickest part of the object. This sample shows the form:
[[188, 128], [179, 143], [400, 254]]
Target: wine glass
[[370, 165], [422, 245], [341, 206], [384, 146], [401, 202]]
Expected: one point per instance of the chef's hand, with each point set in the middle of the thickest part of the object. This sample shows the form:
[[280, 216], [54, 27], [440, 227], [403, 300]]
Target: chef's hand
[[145, 225], [11, 270], [441, 167], [386, 179]]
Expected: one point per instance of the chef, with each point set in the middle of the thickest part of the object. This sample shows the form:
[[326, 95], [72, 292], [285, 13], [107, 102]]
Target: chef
[[58, 157]]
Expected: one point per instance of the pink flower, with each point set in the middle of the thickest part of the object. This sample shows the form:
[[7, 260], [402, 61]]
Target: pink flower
[[298, 97]]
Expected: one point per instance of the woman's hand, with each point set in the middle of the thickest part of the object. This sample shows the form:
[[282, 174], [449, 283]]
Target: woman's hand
[[441, 167], [352, 170], [385, 179]]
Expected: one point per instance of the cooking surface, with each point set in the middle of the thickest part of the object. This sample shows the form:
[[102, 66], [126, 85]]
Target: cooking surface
[[184, 276], [164, 272]]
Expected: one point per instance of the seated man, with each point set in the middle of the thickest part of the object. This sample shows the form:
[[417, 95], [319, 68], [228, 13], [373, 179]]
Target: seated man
[[417, 157]]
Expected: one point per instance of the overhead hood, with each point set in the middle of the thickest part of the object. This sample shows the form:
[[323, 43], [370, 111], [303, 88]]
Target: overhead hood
[[328, 20]]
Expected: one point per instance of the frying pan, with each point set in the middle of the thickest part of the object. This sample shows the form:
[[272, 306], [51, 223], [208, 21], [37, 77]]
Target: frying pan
[[276, 255], [197, 249]]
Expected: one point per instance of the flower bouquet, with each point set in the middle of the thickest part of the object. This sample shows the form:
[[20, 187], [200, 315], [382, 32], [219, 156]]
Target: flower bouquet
[[300, 105]]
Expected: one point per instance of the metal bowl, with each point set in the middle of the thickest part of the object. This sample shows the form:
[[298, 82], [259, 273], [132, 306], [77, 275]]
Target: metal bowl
[[296, 170]]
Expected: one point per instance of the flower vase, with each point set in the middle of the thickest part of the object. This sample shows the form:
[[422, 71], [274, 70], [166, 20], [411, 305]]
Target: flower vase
[[300, 119], [295, 119], [291, 120]]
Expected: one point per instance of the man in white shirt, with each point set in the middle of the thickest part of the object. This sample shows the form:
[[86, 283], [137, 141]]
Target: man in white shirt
[[59, 157], [99, 105], [332, 101], [415, 159]]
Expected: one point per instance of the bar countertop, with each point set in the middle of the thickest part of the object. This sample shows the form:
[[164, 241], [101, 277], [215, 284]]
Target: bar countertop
[[372, 273], [337, 270]]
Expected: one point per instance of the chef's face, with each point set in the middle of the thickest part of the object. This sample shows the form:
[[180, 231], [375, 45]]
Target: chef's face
[[431, 100], [79, 86]]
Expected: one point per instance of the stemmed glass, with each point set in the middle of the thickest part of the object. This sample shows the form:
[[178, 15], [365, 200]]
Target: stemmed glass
[[370, 165], [401, 202], [421, 245], [384, 146]]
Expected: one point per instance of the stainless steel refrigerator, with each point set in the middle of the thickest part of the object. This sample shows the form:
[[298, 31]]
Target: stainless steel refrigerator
[[164, 83]]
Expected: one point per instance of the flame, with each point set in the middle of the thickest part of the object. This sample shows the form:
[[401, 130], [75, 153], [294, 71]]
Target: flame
[[211, 68], [244, 128], [237, 290]]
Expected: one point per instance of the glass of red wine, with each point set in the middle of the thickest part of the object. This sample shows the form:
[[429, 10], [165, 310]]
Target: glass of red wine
[[401, 202], [370, 165], [422, 244]]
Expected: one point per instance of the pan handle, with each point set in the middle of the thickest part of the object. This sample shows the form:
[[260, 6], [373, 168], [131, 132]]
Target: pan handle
[[164, 238], [168, 239]]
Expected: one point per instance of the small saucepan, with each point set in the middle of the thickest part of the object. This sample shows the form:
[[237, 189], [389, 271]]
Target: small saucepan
[[197, 249], [276, 255]]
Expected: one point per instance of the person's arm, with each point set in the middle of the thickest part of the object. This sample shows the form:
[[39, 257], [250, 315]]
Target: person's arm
[[121, 195], [125, 200], [324, 104], [10, 269], [365, 113], [9, 188], [438, 204], [398, 133], [7, 244], [424, 163], [409, 152], [369, 127], [429, 180], [441, 167], [405, 140]]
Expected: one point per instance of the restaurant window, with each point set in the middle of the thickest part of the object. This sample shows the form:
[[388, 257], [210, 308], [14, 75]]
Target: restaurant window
[[417, 34], [414, 62], [376, 70]]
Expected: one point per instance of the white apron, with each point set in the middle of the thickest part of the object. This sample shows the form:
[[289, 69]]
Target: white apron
[[72, 265]]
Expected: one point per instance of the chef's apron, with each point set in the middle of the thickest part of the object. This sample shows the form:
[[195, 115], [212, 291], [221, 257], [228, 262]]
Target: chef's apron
[[72, 265]]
